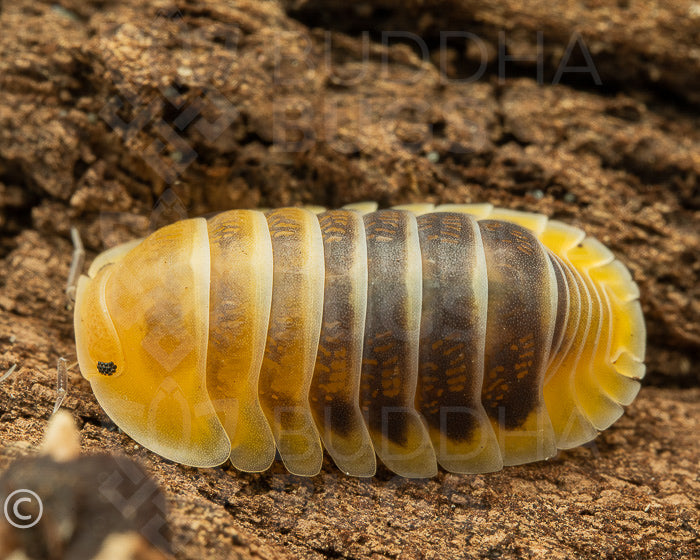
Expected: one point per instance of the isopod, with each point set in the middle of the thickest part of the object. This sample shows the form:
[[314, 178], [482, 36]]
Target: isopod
[[461, 335]]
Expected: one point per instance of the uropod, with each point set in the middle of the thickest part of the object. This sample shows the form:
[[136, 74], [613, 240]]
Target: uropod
[[465, 336]]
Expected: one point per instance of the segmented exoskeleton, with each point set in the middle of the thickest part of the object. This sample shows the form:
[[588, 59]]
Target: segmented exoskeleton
[[459, 335]]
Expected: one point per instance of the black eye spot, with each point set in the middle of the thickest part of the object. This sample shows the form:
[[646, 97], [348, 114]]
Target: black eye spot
[[106, 368]]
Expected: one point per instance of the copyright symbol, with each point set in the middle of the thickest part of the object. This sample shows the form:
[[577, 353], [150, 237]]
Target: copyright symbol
[[23, 508]]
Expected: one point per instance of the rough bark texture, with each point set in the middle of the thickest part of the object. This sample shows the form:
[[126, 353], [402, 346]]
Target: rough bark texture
[[118, 117]]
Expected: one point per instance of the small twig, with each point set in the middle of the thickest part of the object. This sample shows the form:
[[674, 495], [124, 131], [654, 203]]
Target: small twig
[[9, 372], [61, 383], [76, 266]]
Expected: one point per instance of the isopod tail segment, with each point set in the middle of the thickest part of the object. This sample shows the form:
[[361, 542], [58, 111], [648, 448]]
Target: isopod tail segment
[[463, 336]]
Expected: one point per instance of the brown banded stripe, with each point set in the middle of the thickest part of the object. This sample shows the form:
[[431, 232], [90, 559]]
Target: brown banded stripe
[[392, 333], [334, 393]]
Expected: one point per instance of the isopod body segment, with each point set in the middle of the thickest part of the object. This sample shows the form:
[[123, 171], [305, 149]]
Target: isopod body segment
[[461, 335]]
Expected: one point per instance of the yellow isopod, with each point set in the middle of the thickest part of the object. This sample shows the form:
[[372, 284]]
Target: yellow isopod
[[461, 335]]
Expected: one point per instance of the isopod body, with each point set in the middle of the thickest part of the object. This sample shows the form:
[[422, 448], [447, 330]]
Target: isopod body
[[460, 335]]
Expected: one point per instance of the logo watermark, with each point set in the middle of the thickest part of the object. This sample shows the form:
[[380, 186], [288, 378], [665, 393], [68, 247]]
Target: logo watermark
[[23, 508]]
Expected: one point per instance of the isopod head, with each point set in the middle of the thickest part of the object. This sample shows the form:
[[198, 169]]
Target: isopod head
[[141, 324]]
